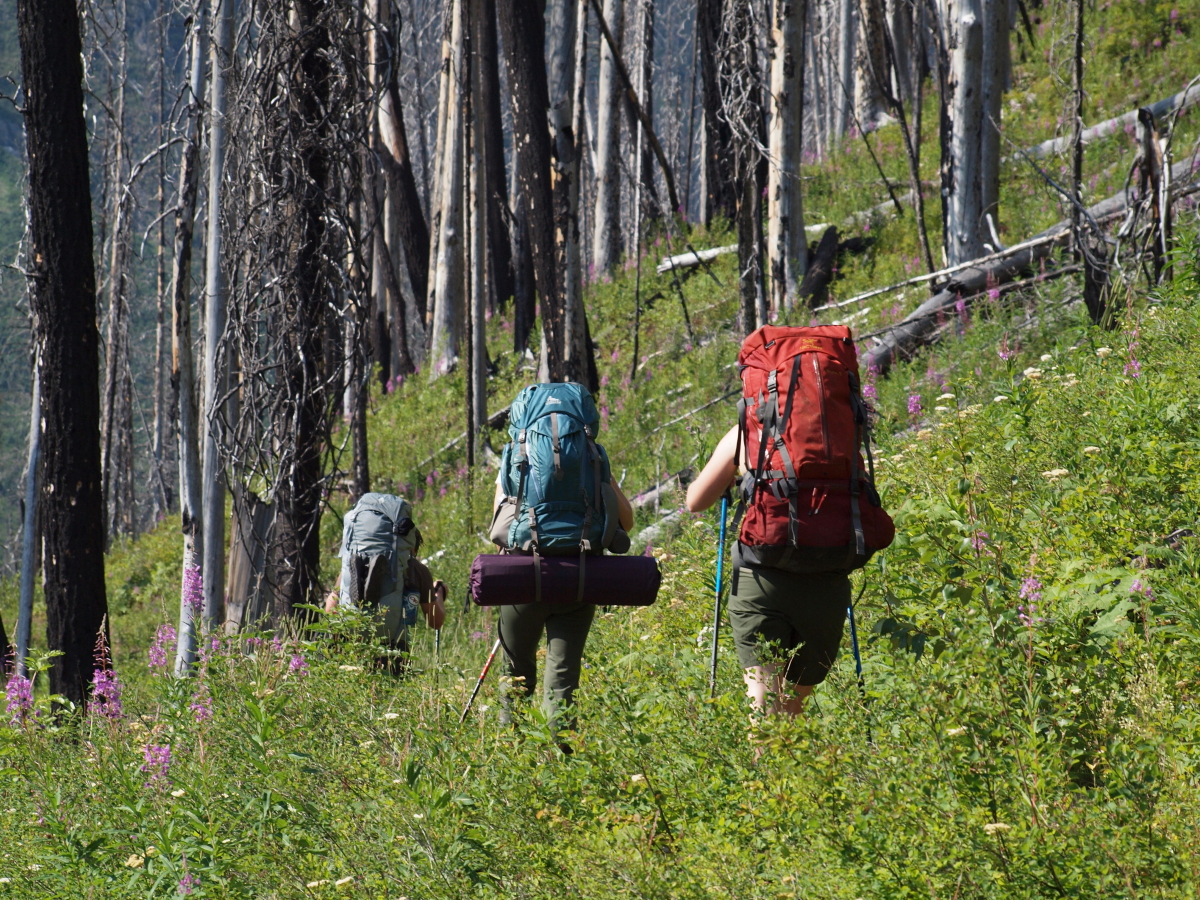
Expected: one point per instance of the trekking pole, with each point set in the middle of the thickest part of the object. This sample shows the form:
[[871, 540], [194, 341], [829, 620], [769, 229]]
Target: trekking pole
[[478, 684], [858, 670], [712, 665]]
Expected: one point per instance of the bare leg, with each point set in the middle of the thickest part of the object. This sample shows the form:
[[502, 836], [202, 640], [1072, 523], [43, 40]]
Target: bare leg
[[764, 681]]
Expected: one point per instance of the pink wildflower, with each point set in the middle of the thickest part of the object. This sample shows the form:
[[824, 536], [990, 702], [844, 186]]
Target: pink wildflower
[[19, 694]]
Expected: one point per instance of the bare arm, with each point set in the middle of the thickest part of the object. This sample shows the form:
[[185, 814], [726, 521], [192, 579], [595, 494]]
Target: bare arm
[[435, 612], [624, 509], [717, 475], [331, 601]]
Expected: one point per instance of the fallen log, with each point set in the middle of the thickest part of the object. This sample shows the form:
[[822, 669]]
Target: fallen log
[[906, 336], [1190, 96], [495, 420], [687, 260]]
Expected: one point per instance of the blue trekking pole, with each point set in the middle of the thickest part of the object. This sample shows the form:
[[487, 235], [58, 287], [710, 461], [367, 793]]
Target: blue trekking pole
[[862, 688], [712, 666]]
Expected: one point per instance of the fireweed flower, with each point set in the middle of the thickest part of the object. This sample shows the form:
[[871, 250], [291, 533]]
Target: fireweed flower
[[1031, 590], [201, 705], [106, 694], [1141, 588], [979, 541], [914, 405], [193, 590], [1004, 352], [156, 765], [298, 665], [162, 648], [1028, 615], [20, 698]]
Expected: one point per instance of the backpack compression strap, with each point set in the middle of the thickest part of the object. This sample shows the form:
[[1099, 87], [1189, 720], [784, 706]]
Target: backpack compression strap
[[558, 472], [523, 464], [860, 543]]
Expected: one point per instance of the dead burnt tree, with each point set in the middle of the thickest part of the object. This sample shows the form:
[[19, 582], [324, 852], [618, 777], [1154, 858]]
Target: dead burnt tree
[[402, 195], [522, 30], [719, 191], [500, 275], [300, 123], [183, 380], [742, 91], [62, 287]]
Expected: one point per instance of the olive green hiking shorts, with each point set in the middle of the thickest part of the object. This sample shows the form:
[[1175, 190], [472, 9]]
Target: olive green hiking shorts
[[796, 620]]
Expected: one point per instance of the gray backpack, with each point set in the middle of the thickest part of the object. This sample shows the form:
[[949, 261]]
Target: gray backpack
[[378, 539]]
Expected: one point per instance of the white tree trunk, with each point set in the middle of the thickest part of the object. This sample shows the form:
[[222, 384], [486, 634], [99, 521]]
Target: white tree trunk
[[964, 212], [214, 326], [842, 84], [787, 247], [995, 76], [446, 285], [606, 242], [477, 224], [183, 372]]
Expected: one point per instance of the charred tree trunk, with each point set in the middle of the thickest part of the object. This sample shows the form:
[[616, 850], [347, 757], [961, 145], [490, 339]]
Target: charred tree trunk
[[567, 45], [298, 498], [63, 297], [787, 244], [994, 77], [720, 193], [499, 247], [523, 31]]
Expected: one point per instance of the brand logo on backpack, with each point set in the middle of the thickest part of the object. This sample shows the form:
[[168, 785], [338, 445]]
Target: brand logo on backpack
[[809, 501]]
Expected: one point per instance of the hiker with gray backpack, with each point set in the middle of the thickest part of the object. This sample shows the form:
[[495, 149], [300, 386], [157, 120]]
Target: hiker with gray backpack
[[554, 497], [381, 574]]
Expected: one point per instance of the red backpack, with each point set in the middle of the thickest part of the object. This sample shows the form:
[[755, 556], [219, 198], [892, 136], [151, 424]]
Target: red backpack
[[810, 505]]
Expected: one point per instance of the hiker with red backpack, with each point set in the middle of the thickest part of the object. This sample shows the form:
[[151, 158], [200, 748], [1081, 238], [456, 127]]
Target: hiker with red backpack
[[808, 507]]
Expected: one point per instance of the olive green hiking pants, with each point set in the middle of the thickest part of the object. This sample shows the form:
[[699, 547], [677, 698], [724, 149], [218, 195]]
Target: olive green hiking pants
[[566, 626]]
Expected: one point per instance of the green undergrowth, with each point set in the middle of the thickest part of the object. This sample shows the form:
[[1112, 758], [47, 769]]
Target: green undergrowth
[[1027, 725]]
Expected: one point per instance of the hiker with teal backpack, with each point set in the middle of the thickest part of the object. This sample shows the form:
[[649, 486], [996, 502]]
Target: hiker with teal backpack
[[554, 497], [382, 575], [811, 511]]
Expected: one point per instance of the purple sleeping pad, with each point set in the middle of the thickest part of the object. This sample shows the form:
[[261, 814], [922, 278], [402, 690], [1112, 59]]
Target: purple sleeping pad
[[503, 580]]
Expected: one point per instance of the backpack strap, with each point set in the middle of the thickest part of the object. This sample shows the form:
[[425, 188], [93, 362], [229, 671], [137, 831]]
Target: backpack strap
[[792, 489], [860, 542], [558, 472], [523, 464], [584, 544]]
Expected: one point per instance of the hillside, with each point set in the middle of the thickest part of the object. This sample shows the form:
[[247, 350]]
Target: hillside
[[1026, 725], [1027, 729]]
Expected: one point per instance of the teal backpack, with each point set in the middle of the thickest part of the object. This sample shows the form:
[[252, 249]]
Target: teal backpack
[[558, 496]]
